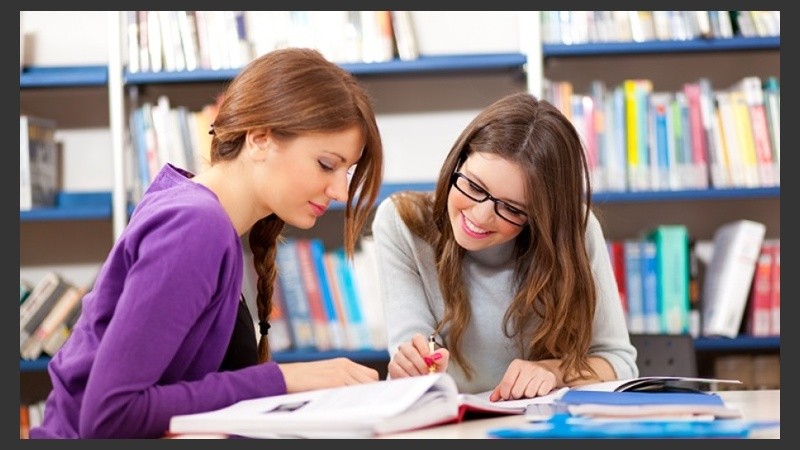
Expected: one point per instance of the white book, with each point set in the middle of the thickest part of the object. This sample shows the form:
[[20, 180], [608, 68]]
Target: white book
[[373, 409], [728, 276], [355, 411]]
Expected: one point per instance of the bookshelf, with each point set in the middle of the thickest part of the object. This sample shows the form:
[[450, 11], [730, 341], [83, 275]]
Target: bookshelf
[[669, 64], [444, 83], [701, 345]]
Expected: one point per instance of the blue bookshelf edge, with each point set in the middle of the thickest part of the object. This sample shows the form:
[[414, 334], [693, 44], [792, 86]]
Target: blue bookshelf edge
[[97, 205], [702, 344]]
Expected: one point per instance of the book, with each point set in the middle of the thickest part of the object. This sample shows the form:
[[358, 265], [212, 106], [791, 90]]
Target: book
[[658, 384], [368, 286], [335, 331], [616, 253], [753, 95], [641, 397], [370, 409], [38, 162], [646, 405], [634, 290], [774, 246], [291, 282], [672, 271], [728, 276], [24, 422], [355, 411], [68, 301], [354, 313], [759, 302], [25, 288], [772, 105], [57, 339], [650, 285], [313, 294], [44, 295], [404, 35]]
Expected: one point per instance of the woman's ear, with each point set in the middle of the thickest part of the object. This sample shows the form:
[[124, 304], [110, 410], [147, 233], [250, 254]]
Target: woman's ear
[[257, 142]]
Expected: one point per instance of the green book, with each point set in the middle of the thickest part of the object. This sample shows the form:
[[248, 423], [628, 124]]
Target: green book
[[672, 268]]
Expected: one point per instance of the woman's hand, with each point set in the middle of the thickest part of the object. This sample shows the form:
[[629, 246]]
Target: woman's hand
[[415, 358], [524, 379], [307, 376]]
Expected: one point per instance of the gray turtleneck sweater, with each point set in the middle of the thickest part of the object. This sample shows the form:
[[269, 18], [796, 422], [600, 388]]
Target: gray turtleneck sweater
[[413, 301]]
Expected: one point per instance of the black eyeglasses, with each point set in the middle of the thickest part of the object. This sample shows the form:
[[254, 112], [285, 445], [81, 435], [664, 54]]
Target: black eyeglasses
[[473, 191]]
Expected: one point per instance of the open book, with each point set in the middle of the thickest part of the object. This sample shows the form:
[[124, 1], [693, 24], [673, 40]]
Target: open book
[[658, 384], [362, 410]]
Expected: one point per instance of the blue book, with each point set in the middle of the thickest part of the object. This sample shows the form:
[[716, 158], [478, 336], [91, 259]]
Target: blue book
[[649, 269], [335, 331], [579, 397], [295, 302], [632, 251]]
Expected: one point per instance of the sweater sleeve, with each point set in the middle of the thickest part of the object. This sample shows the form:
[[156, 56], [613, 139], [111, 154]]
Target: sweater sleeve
[[400, 269], [150, 363], [611, 340]]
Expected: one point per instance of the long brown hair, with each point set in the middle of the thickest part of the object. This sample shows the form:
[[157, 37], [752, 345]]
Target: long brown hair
[[551, 266], [292, 92]]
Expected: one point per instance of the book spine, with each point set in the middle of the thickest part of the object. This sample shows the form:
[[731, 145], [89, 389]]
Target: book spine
[[291, 281], [37, 315], [649, 269], [729, 275], [759, 302], [775, 288], [57, 315], [633, 285], [280, 333], [352, 304], [744, 137], [697, 136], [335, 331], [337, 293], [308, 273], [616, 252], [672, 265], [38, 162]]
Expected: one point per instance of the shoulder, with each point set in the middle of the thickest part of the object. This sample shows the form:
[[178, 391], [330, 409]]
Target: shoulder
[[191, 217], [594, 230], [386, 210]]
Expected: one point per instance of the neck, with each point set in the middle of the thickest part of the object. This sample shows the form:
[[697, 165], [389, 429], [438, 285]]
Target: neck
[[227, 182]]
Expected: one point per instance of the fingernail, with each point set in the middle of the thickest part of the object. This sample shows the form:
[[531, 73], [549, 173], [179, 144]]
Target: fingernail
[[428, 360], [436, 356]]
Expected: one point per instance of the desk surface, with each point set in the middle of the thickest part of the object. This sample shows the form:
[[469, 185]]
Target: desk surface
[[754, 405]]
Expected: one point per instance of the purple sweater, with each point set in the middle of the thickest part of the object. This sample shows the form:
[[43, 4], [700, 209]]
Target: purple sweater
[[156, 325]]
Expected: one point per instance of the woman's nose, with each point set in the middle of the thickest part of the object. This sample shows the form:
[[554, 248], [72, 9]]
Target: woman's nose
[[483, 211], [337, 190]]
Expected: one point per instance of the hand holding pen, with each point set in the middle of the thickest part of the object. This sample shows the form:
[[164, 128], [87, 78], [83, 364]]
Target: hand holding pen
[[421, 356]]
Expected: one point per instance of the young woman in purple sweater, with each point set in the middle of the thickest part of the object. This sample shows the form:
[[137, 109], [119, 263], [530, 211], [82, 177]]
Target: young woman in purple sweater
[[294, 133]]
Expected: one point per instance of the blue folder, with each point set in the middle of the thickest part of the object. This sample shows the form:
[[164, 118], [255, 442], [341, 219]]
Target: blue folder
[[565, 426]]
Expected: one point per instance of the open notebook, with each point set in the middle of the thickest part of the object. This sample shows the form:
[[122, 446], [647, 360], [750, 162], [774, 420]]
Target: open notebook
[[362, 410]]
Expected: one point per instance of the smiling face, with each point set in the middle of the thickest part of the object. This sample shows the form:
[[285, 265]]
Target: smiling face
[[476, 226], [306, 173]]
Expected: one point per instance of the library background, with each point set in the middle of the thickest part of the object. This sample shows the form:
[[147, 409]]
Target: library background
[[679, 112]]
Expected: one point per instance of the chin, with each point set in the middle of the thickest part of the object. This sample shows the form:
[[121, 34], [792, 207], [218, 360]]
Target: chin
[[304, 224]]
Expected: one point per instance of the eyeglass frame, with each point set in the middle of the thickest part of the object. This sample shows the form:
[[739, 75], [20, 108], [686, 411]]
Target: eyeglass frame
[[454, 182]]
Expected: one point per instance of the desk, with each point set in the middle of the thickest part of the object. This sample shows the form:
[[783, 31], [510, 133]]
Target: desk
[[754, 405]]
